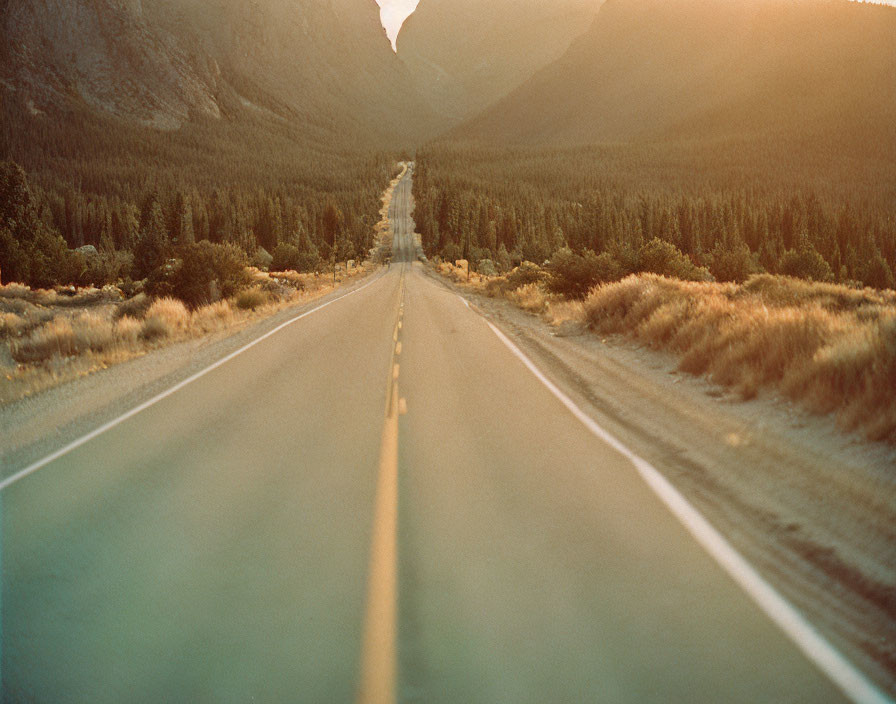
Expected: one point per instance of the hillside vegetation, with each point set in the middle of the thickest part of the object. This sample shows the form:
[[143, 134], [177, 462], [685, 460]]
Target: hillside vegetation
[[136, 194], [721, 210]]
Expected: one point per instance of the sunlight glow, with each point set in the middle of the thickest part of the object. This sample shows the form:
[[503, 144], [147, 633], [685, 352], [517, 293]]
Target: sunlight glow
[[393, 13]]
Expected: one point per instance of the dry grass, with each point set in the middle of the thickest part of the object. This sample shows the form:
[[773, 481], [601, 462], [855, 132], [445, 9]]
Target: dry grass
[[45, 338], [12, 325], [530, 297], [69, 297], [251, 299], [63, 337], [165, 318], [211, 318], [828, 347]]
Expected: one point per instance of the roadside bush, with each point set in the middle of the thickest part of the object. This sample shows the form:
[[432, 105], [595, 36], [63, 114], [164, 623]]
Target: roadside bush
[[208, 272], [106, 268], [526, 273], [288, 257], [736, 263], [487, 267], [806, 263], [262, 259], [251, 298], [573, 275], [830, 347], [135, 307], [11, 325], [665, 259], [165, 317]]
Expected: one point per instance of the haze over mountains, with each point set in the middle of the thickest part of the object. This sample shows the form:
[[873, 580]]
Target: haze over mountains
[[466, 54], [516, 70], [698, 68]]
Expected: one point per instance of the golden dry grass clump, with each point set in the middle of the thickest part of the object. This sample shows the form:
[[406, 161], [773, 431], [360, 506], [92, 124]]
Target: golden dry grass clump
[[165, 317], [64, 337], [830, 347]]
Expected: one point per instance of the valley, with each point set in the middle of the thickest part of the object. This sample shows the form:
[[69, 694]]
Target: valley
[[546, 354]]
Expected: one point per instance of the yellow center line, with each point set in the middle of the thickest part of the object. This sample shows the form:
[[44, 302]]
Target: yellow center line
[[379, 647]]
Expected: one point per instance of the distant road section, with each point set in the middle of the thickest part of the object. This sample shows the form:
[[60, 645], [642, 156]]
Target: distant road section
[[222, 544]]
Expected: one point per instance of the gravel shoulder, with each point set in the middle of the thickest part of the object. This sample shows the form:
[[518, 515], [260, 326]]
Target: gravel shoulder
[[37, 425], [813, 508]]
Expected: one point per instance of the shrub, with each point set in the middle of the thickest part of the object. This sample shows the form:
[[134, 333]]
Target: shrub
[[106, 268], [878, 273], [165, 317], [806, 263], [262, 259], [127, 330], [251, 298], [288, 257], [212, 317], [573, 275], [529, 297], [735, 263], [135, 307], [503, 260], [526, 273], [451, 252], [664, 258], [830, 347], [487, 267], [207, 272]]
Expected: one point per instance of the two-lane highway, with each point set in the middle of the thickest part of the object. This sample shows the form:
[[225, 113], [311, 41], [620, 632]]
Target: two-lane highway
[[379, 502]]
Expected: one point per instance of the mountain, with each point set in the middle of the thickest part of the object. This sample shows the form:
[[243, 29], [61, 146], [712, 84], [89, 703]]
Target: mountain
[[711, 68], [164, 62], [466, 54]]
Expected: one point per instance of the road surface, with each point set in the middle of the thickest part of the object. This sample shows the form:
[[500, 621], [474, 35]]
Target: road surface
[[379, 502]]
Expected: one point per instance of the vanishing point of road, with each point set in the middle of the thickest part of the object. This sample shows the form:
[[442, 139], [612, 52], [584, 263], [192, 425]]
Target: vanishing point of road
[[380, 502]]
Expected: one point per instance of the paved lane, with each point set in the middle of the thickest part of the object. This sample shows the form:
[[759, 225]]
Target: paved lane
[[217, 547], [536, 565]]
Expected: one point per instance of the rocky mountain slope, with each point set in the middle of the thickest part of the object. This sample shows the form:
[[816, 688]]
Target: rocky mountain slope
[[698, 68], [162, 62]]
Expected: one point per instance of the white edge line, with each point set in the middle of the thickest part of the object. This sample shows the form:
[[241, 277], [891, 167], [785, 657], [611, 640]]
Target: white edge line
[[30, 469], [855, 685]]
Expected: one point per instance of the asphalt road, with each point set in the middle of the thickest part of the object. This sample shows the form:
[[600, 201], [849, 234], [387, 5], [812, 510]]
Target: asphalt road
[[379, 502]]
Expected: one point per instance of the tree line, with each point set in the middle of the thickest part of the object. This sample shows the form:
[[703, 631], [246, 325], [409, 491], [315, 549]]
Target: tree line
[[134, 195], [720, 211]]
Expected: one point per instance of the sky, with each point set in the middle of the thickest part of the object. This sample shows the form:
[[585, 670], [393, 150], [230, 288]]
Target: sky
[[393, 13]]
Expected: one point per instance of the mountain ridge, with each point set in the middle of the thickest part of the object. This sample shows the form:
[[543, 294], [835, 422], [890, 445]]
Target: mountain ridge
[[696, 68]]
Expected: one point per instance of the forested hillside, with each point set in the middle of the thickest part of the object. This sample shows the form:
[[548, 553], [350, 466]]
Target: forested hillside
[[141, 127], [137, 194], [466, 54], [716, 210], [661, 69]]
